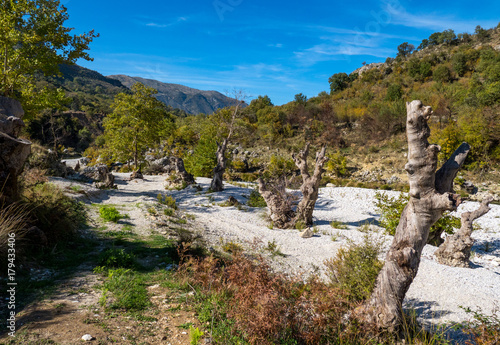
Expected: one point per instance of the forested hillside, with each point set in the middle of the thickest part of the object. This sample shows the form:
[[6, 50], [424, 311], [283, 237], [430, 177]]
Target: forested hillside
[[458, 75]]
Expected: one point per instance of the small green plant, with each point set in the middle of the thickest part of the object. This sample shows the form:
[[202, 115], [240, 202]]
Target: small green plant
[[76, 188], [255, 199], [335, 237], [355, 268], [274, 249], [485, 329], [169, 212], [195, 335], [167, 200], [152, 211], [336, 224], [300, 225], [337, 165], [127, 289], [115, 258], [185, 325], [110, 213], [232, 247]]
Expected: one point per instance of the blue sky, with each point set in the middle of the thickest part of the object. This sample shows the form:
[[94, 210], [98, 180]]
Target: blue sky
[[269, 48]]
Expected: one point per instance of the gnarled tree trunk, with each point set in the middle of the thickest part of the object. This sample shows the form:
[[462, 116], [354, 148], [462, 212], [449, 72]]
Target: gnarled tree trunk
[[310, 185], [278, 202], [430, 195], [455, 251], [280, 206], [220, 168], [216, 185]]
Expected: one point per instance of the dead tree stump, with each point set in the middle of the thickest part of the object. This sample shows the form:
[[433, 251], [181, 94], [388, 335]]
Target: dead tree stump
[[310, 184], [455, 251], [278, 202], [430, 195], [216, 185]]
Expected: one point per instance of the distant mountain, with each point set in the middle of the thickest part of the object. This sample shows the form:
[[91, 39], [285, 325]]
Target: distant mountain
[[190, 100]]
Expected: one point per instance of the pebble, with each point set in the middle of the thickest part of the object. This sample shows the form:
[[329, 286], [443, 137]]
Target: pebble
[[87, 337]]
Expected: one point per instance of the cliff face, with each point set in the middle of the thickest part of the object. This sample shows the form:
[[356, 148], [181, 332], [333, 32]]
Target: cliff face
[[190, 100], [13, 150]]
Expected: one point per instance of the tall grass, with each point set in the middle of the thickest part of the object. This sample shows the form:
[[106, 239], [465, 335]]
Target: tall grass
[[13, 220]]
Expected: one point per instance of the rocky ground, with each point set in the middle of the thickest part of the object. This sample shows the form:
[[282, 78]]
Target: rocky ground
[[438, 294]]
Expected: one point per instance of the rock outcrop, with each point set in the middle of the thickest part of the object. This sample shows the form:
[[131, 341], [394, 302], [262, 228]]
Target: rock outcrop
[[174, 167], [13, 150], [101, 175]]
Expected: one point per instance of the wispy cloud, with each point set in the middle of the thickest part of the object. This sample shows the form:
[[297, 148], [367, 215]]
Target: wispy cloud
[[332, 52], [433, 21], [275, 45], [166, 25]]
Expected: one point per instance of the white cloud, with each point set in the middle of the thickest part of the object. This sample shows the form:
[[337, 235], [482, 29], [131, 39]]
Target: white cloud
[[433, 21], [166, 25]]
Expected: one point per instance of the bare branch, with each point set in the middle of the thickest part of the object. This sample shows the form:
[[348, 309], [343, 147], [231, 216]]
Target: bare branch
[[447, 173]]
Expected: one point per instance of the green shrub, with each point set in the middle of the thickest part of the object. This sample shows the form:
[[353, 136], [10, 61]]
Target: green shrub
[[337, 224], [442, 74], [238, 165], [394, 92], [485, 329], [355, 268], [280, 166], [337, 165], [128, 291], [110, 213], [53, 212], [116, 258], [169, 212], [300, 225], [255, 199], [167, 200], [392, 208]]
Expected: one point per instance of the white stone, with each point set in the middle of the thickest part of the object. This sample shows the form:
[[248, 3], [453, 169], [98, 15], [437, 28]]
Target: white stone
[[307, 233], [87, 337]]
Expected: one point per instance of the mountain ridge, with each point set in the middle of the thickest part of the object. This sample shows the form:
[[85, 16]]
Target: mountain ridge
[[191, 100]]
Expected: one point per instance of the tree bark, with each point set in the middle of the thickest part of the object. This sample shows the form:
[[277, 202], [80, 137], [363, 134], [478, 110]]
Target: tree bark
[[456, 249], [216, 185], [220, 168], [310, 184], [280, 206], [278, 202], [430, 195]]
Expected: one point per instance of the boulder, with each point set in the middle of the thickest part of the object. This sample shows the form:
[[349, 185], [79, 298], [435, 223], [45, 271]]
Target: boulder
[[13, 151], [100, 174], [174, 167], [136, 175]]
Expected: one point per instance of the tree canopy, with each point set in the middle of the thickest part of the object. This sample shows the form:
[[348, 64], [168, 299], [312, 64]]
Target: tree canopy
[[33, 39], [139, 121]]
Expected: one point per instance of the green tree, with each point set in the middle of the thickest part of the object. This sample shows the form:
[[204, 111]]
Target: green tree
[[338, 82], [394, 92], [442, 74], [405, 49], [139, 121], [482, 34], [33, 39], [459, 63], [448, 36]]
